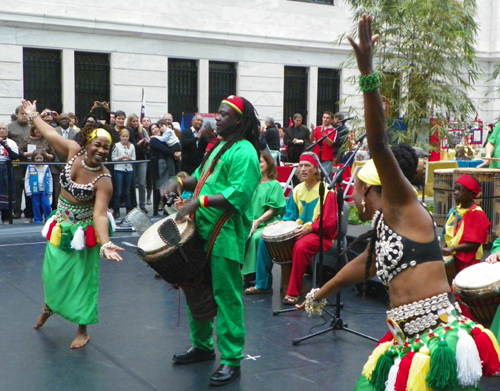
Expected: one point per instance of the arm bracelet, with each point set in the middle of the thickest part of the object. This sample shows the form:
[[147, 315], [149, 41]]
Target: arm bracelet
[[105, 246], [369, 82], [202, 201], [33, 115], [313, 306]]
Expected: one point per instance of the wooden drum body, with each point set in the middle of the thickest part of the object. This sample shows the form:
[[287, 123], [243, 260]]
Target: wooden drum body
[[451, 267], [280, 241], [478, 288], [443, 194], [184, 265]]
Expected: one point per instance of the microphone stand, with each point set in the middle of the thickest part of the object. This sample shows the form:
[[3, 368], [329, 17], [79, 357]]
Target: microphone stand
[[337, 323]]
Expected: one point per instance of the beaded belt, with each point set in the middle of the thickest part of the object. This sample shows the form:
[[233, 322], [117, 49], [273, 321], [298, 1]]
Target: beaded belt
[[68, 211], [417, 317]]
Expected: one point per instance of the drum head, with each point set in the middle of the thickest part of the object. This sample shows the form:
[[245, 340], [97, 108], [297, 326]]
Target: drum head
[[478, 276], [151, 242], [279, 231]]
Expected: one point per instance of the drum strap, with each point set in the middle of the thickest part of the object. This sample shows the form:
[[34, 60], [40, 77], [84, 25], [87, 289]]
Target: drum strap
[[216, 231], [225, 217]]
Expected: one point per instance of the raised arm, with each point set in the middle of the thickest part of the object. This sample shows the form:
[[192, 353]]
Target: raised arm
[[397, 189], [60, 144]]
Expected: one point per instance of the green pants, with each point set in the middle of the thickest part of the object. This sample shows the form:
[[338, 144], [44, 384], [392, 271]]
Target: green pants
[[227, 287]]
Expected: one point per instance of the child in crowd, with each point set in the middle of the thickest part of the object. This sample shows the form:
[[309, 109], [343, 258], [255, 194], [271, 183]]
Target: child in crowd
[[168, 136], [38, 185], [124, 173]]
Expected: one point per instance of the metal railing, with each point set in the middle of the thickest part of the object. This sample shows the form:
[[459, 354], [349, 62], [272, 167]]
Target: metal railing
[[10, 179]]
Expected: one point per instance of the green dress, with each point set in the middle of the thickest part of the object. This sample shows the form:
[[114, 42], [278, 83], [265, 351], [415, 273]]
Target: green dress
[[71, 277], [495, 140], [268, 195]]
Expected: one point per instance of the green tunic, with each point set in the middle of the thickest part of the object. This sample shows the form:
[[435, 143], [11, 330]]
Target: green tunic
[[495, 140], [236, 177], [268, 195]]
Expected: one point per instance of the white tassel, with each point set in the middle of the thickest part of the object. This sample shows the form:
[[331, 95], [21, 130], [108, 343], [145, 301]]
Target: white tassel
[[45, 229], [112, 222], [393, 374], [78, 242], [469, 369]]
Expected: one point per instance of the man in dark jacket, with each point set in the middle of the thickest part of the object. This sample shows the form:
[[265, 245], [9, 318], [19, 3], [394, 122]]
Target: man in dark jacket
[[191, 157]]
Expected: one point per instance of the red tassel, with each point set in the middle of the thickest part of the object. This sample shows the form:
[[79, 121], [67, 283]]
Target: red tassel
[[487, 352], [49, 232], [404, 371], [386, 338], [90, 237]]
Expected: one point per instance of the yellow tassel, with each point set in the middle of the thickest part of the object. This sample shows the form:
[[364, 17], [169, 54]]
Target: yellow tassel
[[420, 366], [55, 237], [370, 365], [493, 340]]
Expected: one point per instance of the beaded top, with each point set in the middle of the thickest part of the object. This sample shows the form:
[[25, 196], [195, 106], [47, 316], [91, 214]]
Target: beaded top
[[80, 192], [394, 253]]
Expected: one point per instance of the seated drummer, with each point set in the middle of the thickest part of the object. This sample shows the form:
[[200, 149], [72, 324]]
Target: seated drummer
[[302, 207], [466, 227]]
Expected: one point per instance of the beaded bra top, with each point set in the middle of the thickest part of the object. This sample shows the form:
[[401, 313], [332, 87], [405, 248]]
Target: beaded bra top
[[80, 192], [395, 253]]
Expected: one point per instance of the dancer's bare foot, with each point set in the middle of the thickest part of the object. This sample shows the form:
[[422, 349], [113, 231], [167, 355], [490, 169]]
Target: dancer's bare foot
[[82, 338], [46, 313]]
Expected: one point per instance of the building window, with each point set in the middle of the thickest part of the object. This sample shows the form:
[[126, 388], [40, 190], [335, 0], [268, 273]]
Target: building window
[[182, 87], [222, 83], [295, 93], [42, 78], [328, 2], [328, 92], [92, 81]]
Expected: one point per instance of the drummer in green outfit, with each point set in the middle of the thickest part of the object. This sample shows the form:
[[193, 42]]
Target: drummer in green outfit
[[223, 187], [267, 206], [78, 230]]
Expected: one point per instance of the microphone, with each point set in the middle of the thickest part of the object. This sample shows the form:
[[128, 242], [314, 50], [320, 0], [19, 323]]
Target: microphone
[[346, 119], [360, 138]]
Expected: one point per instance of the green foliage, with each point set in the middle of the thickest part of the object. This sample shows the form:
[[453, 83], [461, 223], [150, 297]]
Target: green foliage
[[427, 59], [353, 217]]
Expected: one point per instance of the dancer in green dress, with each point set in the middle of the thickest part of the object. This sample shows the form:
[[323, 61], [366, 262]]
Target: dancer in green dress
[[78, 231]]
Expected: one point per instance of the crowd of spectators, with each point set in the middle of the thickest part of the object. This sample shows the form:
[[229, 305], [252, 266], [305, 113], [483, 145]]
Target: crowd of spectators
[[160, 151]]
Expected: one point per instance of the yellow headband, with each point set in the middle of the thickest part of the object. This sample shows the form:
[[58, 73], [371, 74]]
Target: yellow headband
[[369, 174], [99, 132]]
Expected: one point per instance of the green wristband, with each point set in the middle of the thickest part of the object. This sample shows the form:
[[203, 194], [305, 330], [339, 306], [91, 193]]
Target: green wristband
[[369, 82]]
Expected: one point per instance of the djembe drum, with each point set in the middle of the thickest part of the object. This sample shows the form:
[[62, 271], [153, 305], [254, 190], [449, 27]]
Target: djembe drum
[[443, 194], [183, 264], [279, 239], [478, 288]]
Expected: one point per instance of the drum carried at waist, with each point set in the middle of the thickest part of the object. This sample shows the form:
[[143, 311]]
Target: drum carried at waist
[[279, 239], [175, 251], [478, 288]]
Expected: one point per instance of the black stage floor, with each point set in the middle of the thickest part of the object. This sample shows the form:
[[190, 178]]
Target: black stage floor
[[143, 323]]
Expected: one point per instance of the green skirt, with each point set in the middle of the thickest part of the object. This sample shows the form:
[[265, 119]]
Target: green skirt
[[71, 283]]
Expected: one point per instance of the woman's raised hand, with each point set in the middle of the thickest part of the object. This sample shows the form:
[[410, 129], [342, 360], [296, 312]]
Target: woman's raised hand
[[28, 106], [364, 49]]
